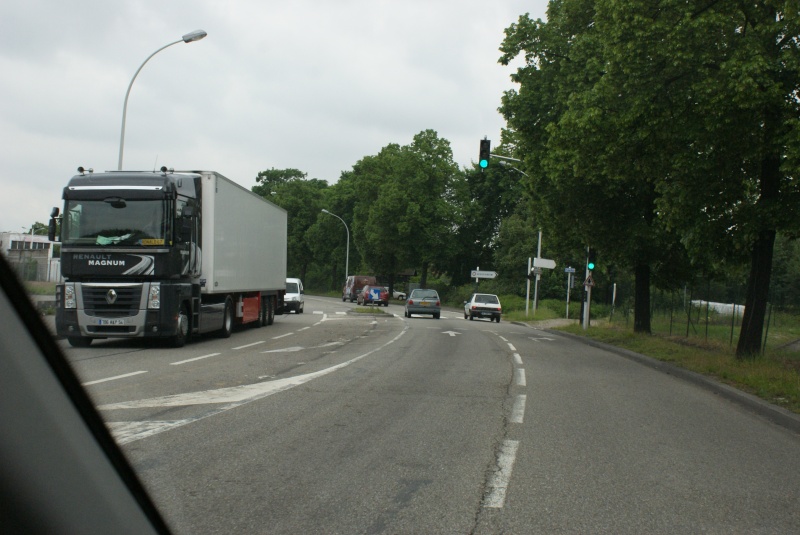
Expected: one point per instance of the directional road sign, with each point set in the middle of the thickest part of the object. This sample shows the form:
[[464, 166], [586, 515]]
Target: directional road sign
[[475, 274], [545, 263]]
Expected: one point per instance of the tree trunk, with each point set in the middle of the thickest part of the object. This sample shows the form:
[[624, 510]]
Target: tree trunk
[[423, 280], [758, 281], [641, 305]]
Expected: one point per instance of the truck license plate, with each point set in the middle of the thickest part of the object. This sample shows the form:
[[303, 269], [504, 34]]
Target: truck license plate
[[110, 322]]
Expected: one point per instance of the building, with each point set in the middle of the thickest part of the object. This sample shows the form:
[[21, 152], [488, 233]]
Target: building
[[33, 257]]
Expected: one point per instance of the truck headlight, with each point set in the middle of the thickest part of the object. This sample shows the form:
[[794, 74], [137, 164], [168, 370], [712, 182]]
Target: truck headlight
[[154, 297], [69, 296]]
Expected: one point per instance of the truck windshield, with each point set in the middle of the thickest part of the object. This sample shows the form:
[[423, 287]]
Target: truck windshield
[[114, 221]]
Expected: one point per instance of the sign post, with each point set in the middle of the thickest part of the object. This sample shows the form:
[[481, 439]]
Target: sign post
[[570, 273]]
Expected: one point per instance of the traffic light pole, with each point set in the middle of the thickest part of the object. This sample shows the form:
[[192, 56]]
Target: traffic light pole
[[588, 288]]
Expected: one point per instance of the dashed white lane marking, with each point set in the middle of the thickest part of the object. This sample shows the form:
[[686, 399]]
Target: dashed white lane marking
[[229, 398], [503, 339], [285, 350], [517, 359], [192, 360], [498, 482], [511, 347], [518, 410], [113, 378], [250, 345], [520, 376], [282, 336]]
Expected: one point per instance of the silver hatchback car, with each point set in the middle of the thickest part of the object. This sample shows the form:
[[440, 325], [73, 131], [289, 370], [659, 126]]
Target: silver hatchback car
[[423, 302]]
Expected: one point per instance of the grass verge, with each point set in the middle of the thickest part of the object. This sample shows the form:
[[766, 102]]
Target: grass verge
[[368, 310], [774, 377]]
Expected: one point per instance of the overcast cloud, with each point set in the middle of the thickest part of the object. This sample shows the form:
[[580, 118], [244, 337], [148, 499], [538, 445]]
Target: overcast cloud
[[311, 85]]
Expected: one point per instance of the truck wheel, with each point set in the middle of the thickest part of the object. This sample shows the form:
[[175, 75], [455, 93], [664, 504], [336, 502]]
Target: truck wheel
[[182, 332], [79, 341], [227, 320], [270, 310], [262, 317]]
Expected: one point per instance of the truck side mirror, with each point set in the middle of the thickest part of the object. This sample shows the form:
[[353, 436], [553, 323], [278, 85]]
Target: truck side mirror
[[53, 225]]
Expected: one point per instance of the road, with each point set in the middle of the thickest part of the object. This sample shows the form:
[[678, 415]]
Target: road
[[337, 422]]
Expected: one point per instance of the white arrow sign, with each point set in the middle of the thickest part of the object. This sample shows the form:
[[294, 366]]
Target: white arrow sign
[[451, 333], [482, 274], [545, 263]]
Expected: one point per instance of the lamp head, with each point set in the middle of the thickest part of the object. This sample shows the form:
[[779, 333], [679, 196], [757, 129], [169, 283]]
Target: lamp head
[[194, 36]]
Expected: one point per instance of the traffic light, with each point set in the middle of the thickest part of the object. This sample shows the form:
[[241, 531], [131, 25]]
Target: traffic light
[[483, 159], [592, 258]]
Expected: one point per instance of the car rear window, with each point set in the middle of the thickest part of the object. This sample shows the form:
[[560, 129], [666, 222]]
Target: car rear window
[[424, 293], [486, 299]]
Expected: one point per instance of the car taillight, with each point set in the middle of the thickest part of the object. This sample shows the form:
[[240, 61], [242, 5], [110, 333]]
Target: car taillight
[[410, 301], [474, 307], [438, 304]]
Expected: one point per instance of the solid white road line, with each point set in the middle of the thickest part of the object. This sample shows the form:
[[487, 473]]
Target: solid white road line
[[112, 378]]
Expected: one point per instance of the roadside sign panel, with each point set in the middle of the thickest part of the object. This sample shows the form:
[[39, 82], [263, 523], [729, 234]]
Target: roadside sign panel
[[545, 263], [475, 274]]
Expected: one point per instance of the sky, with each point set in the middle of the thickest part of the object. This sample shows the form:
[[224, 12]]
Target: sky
[[309, 84]]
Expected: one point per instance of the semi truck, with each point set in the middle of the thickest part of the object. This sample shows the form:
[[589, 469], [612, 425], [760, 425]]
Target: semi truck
[[166, 255]]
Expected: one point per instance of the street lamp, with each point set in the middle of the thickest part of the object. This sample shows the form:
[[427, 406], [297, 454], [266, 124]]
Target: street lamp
[[506, 164], [188, 38], [347, 257]]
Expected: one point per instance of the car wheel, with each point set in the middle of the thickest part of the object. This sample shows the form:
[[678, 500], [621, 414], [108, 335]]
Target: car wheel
[[498, 319], [436, 316], [471, 317]]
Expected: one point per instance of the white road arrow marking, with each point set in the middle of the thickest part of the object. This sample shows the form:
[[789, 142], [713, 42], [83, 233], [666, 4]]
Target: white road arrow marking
[[451, 333]]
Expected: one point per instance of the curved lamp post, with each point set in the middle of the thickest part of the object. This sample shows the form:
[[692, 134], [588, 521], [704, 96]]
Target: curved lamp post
[[188, 38], [347, 254]]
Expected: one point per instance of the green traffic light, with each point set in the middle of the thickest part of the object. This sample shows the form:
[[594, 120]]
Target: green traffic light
[[591, 266], [484, 164]]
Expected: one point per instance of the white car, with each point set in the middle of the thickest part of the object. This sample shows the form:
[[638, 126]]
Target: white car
[[483, 306], [295, 296], [397, 294]]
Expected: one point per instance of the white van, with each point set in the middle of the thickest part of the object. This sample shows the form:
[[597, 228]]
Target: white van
[[295, 296]]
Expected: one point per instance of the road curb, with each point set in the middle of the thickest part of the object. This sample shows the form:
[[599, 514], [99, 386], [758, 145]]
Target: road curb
[[775, 414]]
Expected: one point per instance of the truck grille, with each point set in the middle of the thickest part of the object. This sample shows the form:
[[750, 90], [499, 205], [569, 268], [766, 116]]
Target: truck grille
[[124, 301]]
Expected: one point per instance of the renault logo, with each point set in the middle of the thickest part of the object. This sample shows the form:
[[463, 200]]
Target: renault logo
[[111, 296]]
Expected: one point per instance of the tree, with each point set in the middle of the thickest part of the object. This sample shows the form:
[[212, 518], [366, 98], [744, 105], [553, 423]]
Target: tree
[[726, 77], [591, 170], [405, 210]]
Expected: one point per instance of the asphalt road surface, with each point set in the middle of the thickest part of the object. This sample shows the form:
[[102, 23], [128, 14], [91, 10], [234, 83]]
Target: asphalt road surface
[[336, 422]]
